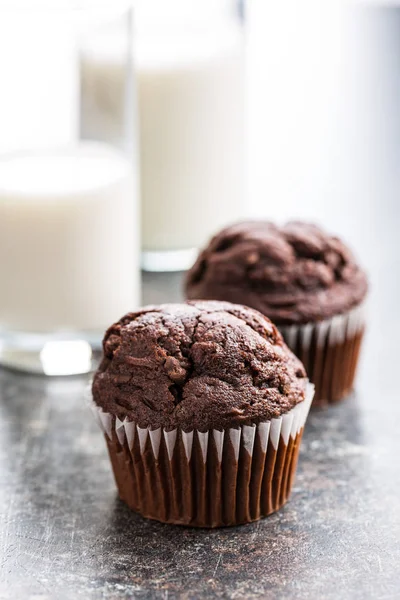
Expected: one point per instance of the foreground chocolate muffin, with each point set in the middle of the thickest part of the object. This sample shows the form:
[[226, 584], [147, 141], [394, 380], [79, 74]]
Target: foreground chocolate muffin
[[203, 408], [302, 278]]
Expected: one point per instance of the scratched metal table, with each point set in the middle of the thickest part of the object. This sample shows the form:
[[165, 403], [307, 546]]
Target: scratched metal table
[[65, 535]]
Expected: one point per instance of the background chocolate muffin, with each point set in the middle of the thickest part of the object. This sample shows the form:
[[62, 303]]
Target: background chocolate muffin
[[305, 280], [203, 406]]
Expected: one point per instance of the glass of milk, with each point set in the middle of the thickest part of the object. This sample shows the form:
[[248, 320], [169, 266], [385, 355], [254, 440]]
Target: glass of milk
[[69, 231], [189, 62]]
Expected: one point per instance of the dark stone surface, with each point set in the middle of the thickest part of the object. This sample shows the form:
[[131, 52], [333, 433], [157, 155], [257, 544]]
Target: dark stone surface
[[64, 534]]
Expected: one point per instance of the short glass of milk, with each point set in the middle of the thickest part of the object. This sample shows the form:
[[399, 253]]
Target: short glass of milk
[[69, 232], [189, 62]]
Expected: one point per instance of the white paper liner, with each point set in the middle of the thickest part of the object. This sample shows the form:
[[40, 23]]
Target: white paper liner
[[338, 329], [285, 426]]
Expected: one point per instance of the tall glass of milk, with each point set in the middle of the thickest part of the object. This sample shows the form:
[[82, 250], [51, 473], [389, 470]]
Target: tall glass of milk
[[189, 61], [69, 232]]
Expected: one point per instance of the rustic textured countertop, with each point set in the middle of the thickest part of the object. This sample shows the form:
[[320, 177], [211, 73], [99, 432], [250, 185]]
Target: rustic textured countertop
[[64, 533]]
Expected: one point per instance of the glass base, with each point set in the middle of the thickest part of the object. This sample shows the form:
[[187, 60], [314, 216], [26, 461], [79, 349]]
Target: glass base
[[168, 260], [50, 354]]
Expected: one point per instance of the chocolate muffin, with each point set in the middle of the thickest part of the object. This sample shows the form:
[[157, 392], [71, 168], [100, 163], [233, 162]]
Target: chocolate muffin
[[302, 278], [203, 408]]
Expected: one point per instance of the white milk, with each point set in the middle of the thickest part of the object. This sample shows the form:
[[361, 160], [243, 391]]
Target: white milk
[[68, 242], [191, 113], [191, 120]]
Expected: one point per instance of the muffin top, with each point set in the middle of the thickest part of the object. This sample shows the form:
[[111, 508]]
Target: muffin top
[[294, 274], [199, 365]]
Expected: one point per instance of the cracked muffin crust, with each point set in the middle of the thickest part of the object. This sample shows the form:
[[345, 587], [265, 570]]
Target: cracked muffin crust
[[294, 274], [199, 365]]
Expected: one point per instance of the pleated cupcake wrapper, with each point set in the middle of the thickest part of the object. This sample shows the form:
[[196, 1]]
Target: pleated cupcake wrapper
[[329, 351], [252, 458], [285, 426]]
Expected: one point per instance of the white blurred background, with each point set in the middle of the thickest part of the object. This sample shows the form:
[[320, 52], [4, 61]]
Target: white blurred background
[[312, 135]]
